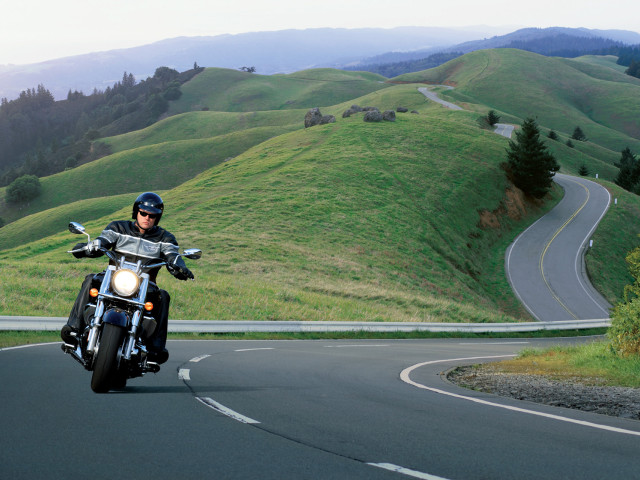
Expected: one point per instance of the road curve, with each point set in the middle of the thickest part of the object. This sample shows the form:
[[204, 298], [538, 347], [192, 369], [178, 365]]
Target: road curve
[[545, 264], [364, 409]]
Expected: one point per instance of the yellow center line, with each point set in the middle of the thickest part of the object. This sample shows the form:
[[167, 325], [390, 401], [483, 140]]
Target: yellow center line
[[544, 252]]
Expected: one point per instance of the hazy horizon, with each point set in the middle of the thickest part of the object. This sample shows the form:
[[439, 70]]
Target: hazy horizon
[[34, 31]]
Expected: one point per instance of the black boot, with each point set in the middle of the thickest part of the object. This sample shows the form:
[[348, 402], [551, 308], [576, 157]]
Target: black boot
[[69, 335], [158, 356]]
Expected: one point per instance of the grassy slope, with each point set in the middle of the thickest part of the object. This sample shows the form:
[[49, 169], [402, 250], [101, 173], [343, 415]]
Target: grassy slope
[[561, 94], [154, 167], [232, 91], [349, 221], [363, 263]]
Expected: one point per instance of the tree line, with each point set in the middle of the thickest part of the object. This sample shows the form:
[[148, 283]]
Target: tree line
[[40, 136]]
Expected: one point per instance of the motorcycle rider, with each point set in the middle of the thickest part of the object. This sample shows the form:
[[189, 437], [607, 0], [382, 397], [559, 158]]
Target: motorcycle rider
[[140, 239]]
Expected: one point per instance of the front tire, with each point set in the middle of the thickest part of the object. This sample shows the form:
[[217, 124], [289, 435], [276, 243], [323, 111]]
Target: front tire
[[106, 365]]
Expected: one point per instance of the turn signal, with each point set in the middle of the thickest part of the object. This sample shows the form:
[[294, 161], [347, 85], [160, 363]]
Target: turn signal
[[148, 306], [93, 292]]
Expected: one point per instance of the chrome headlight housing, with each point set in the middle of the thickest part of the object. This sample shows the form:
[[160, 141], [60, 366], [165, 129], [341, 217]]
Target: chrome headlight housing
[[125, 282]]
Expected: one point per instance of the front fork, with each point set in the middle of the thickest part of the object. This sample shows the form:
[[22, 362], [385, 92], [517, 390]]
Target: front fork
[[135, 321], [137, 316], [97, 318]]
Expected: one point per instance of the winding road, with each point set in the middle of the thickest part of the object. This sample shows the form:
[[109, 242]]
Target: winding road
[[364, 409], [298, 409], [545, 264]]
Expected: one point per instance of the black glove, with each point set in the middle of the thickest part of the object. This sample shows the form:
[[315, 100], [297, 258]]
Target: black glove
[[82, 253], [181, 273]]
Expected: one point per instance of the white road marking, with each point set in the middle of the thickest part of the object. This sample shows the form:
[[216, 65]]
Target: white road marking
[[218, 407], [495, 343], [406, 471], [348, 346], [29, 346], [197, 359], [183, 374], [252, 349], [405, 376]]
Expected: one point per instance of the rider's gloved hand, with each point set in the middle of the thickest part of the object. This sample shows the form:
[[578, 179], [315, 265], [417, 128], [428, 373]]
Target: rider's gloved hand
[[79, 251], [181, 273], [93, 248]]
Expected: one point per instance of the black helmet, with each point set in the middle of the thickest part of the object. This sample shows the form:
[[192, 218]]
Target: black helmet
[[149, 202]]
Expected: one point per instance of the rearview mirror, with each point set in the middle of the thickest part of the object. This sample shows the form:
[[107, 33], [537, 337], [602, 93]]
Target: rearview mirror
[[192, 253], [75, 227]]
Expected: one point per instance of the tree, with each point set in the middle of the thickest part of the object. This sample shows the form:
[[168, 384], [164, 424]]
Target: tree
[[579, 135], [634, 69], [584, 171], [531, 166], [629, 174], [492, 117], [570, 143], [553, 135], [23, 189], [248, 69]]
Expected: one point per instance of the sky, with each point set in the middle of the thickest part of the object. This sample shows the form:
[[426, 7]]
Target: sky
[[37, 30]]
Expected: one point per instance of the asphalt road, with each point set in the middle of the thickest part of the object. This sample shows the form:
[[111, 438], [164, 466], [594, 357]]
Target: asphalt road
[[299, 410], [545, 264]]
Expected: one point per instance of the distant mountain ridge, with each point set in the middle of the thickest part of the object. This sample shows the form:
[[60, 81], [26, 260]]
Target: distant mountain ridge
[[553, 41], [283, 51]]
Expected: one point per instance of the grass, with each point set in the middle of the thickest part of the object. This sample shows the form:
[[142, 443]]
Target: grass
[[153, 167], [348, 221], [590, 364], [617, 233], [601, 100], [18, 338], [232, 91]]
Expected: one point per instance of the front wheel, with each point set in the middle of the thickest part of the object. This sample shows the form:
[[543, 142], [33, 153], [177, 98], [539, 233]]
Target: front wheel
[[106, 365]]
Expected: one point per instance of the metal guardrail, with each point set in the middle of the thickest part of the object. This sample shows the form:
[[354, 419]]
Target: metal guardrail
[[234, 326]]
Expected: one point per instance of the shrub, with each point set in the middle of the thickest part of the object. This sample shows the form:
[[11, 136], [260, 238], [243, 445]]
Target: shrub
[[625, 319], [23, 189]]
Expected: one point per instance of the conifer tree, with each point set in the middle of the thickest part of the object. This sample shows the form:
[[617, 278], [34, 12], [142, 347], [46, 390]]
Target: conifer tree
[[532, 167], [578, 134], [629, 174]]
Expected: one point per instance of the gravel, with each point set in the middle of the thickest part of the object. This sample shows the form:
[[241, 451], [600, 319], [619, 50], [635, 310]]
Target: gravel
[[614, 401]]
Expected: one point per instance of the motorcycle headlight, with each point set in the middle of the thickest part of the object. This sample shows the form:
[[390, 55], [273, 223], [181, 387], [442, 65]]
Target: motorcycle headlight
[[125, 282]]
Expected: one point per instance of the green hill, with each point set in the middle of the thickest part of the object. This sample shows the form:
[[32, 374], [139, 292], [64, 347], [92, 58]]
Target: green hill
[[560, 93], [344, 221], [234, 91], [403, 221]]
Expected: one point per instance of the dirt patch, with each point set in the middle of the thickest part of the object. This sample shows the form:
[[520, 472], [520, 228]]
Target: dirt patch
[[513, 205]]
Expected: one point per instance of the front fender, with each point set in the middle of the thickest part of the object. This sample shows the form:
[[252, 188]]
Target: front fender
[[116, 317]]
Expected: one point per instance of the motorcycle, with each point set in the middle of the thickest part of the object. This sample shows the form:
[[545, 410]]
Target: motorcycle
[[113, 344]]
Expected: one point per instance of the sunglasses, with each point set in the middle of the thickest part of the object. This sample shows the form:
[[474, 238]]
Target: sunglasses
[[147, 214]]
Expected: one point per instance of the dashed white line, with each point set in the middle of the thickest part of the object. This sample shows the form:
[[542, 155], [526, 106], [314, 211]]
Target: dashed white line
[[406, 471], [183, 374], [218, 407], [252, 349], [406, 377], [350, 346], [197, 359]]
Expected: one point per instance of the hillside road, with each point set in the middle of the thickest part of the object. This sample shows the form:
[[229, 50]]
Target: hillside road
[[545, 264]]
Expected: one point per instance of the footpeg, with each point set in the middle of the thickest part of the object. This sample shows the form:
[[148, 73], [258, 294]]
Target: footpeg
[[152, 367]]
